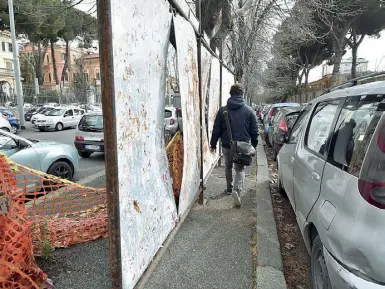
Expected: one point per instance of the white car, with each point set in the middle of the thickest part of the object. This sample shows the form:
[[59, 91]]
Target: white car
[[59, 118], [44, 110], [89, 136], [4, 125]]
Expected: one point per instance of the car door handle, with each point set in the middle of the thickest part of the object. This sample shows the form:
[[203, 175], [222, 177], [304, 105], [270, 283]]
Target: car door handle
[[315, 176]]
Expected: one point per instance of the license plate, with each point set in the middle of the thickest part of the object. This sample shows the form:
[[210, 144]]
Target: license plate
[[92, 147]]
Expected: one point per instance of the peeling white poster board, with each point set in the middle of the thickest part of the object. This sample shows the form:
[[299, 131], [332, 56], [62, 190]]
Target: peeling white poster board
[[140, 37], [187, 54]]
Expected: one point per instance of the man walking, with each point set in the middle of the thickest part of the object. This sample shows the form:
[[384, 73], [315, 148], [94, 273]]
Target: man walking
[[243, 123]]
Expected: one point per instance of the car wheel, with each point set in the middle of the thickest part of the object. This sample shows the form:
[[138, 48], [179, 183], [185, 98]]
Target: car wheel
[[84, 154], [61, 169], [41, 129], [5, 129], [59, 126], [15, 129], [319, 271], [280, 188]]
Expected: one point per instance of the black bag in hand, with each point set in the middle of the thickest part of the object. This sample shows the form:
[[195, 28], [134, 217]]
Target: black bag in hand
[[241, 152]]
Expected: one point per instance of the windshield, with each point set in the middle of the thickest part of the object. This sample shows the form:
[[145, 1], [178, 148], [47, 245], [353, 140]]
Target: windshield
[[56, 112], [91, 123]]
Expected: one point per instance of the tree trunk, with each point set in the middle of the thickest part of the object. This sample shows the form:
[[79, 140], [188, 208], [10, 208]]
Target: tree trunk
[[307, 72], [65, 67], [338, 47], [54, 63], [40, 63], [354, 61], [354, 44]]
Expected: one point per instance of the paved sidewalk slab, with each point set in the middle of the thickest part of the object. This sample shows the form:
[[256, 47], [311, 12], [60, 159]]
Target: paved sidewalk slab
[[213, 248]]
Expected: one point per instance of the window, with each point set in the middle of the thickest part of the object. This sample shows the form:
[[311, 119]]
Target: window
[[167, 114], [9, 65], [10, 48], [63, 56], [320, 125], [76, 112], [74, 76], [65, 76], [354, 130], [69, 113], [3, 46], [7, 143], [48, 58], [297, 128], [49, 77], [97, 75], [86, 76]]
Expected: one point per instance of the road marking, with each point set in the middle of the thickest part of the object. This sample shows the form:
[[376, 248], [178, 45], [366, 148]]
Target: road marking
[[91, 178]]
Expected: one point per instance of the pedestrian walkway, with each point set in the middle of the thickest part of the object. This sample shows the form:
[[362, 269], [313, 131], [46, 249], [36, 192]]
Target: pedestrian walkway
[[216, 245]]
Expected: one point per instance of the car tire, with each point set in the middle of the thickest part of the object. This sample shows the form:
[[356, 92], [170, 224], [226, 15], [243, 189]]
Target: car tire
[[41, 129], [85, 155], [280, 188], [15, 129], [61, 169], [59, 126], [5, 129], [319, 272]]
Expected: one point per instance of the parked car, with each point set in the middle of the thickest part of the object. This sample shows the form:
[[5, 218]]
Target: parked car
[[271, 113], [332, 169], [54, 158], [59, 118], [5, 125], [40, 113], [89, 136], [264, 111], [12, 119], [173, 120], [31, 112], [281, 124]]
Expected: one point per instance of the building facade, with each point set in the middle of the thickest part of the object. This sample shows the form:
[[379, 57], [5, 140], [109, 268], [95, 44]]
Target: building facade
[[346, 67], [7, 75]]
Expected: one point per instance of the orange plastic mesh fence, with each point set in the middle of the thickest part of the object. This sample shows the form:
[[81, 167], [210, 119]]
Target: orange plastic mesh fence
[[40, 212], [174, 152]]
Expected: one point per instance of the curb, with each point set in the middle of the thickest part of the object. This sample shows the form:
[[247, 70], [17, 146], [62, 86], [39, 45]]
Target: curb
[[269, 260]]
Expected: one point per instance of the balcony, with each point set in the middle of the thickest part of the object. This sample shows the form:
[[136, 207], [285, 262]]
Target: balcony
[[7, 72]]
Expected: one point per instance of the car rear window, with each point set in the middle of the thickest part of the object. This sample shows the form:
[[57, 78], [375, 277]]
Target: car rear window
[[167, 113], [91, 123], [354, 131]]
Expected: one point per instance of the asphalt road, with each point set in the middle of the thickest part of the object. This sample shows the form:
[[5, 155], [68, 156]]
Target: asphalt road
[[88, 167]]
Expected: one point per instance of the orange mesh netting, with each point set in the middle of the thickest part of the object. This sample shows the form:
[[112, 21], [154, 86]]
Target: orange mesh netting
[[174, 152], [40, 212]]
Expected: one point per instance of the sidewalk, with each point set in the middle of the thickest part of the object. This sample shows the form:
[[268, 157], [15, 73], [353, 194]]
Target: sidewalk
[[216, 246]]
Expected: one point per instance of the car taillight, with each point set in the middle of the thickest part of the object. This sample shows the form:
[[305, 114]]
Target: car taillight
[[79, 138], [373, 193], [283, 126], [172, 121]]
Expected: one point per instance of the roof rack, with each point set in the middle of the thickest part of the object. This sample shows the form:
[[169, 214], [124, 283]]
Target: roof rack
[[353, 82]]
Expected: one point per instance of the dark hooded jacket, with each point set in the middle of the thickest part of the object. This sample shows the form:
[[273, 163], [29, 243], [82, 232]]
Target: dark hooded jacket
[[243, 123]]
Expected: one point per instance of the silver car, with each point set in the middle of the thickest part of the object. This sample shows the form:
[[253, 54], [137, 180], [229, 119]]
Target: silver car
[[332, 168], [173, 120], [50, 157]]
